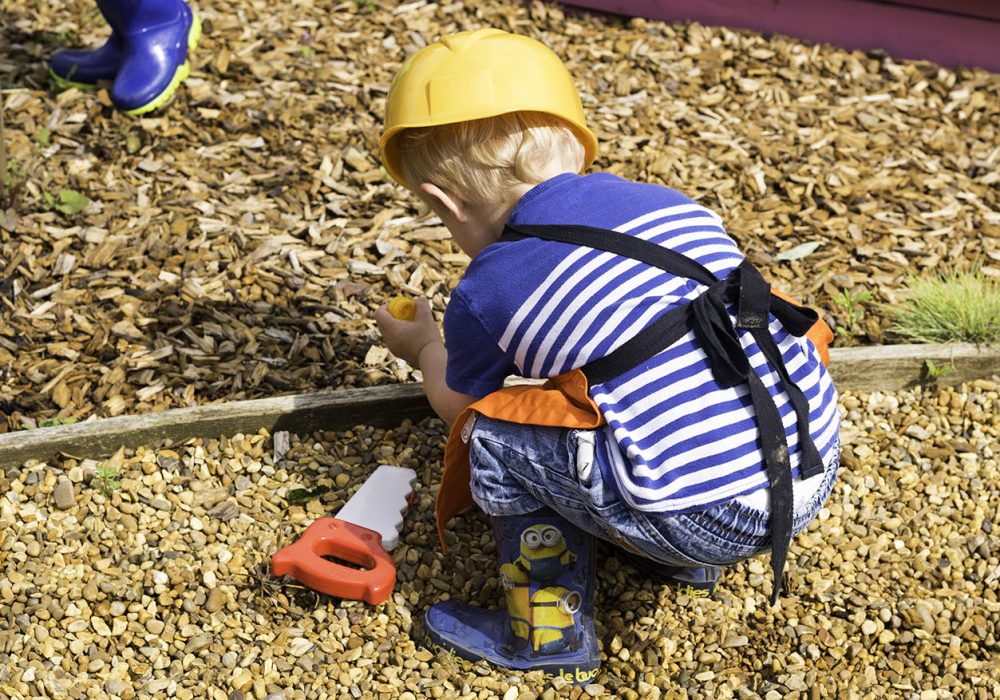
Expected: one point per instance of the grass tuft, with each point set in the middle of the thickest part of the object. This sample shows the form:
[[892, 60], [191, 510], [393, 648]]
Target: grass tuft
[[955, 306]]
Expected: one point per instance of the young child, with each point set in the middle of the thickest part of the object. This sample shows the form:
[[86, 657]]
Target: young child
[[686, 419]]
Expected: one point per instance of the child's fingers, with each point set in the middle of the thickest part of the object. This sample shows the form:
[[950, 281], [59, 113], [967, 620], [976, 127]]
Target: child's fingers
[[387, 323], [423, 311]]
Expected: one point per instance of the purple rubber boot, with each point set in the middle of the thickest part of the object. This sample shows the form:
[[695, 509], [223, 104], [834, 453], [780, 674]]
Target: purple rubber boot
[[86, 67], [155, 47]]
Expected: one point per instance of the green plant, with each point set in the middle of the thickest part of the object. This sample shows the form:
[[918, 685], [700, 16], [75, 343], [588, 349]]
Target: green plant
[[30, 424], [66, 37], [67, 202], [367, 5], [853, 305], [54, 422], [933, 372], [297, 496], [107, 480], [955, 306]]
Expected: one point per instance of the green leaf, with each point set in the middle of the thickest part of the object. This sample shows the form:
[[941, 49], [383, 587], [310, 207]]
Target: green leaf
[[107, 480], [71, 202], [108, 472], [44, 137], [798, 252], [297, 496], [53, 422], [935, 372]]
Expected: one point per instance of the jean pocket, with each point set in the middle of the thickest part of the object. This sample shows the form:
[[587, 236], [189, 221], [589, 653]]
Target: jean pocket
[[722, 535]]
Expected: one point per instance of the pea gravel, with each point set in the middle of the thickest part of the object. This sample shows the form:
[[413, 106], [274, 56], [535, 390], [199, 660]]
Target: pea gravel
[[162, 590]]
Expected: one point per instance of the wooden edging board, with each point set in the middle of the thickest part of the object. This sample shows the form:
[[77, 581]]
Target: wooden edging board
[[879, 368]]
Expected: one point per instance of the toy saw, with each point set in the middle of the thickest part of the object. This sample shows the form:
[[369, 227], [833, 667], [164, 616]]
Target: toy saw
[[362, 533]]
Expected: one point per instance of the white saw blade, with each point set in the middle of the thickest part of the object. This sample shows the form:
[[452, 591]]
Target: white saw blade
[[381, 502]]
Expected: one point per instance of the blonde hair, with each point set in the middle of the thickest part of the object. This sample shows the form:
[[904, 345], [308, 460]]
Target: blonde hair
[[482, 159]]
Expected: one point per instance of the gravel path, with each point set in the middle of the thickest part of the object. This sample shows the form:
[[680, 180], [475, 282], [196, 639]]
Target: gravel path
[[161, 589]]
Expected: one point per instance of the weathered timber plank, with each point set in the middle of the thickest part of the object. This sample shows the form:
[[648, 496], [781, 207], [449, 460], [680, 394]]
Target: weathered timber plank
[[882, 368], [895, 367], [380, 406]]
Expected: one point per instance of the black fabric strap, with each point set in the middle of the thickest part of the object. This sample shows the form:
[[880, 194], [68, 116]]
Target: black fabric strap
[[620, 244], [661, 333], [779, 476], [708, 317], [755, 304], [810, 463]]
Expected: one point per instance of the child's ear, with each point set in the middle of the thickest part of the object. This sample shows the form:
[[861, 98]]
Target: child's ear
[[455, 206]]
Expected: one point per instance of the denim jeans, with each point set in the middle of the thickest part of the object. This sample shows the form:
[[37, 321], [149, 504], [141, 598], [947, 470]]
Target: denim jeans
[[517, 469]]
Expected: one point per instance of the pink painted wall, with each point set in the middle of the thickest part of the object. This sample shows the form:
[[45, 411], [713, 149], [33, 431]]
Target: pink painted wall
[[971, 8], [966, 33]]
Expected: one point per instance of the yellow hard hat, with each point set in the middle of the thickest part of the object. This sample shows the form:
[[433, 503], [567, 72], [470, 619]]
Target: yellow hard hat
[[478, 74]]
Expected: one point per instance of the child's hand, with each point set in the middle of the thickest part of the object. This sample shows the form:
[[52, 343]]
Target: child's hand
[[405, 339], [403, 308]]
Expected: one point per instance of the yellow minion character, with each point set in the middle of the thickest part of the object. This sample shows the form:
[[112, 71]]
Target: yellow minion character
[[544, 554], [552, 624], [515, 586]]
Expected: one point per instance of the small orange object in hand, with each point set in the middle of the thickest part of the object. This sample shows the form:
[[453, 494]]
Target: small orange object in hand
[[402, 308]]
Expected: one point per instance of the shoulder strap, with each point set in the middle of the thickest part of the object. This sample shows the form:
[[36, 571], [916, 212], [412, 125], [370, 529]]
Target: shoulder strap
[[618, 243]]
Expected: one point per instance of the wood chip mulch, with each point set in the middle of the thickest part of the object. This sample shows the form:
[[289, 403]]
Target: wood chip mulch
[[236, 243]]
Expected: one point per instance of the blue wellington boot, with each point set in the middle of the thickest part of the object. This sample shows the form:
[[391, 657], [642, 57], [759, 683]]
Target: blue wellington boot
[[547, 571], [156, 44], [83, 68]]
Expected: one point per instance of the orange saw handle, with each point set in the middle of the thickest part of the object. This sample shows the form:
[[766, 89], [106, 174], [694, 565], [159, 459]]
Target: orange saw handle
[[333, 537]]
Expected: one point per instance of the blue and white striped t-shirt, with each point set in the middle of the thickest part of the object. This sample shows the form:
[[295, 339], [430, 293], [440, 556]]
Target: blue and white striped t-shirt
[[539, 308]]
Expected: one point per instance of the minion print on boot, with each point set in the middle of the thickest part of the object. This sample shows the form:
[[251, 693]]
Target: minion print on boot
[[547, 573], [553, 622], [516, 584], [544, 556]]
